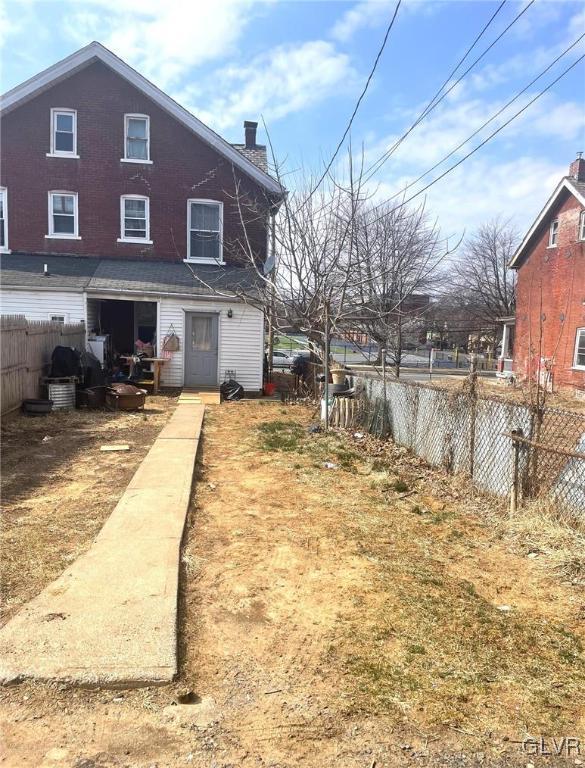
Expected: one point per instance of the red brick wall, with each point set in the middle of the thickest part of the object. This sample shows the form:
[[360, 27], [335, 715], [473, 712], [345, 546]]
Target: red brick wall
[[183, 167], [551, 283]]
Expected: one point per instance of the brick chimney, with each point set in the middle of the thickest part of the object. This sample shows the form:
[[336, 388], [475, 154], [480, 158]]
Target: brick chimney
[[250, 132], [577, 168]]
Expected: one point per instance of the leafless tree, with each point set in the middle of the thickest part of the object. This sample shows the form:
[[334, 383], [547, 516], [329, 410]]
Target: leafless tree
[[397, 254], [480, 277]]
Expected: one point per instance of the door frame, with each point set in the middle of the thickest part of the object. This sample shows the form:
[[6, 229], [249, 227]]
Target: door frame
[[201, 311]]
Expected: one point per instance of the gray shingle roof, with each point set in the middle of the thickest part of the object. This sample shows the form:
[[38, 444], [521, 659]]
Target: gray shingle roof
[[256, 155], [92, 274]]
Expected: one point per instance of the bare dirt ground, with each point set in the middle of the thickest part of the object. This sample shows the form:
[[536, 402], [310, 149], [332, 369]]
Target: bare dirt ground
[[366, 614], [58, 488]]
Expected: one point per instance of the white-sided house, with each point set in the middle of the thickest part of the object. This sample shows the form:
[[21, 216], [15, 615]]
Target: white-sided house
[[219, 335]]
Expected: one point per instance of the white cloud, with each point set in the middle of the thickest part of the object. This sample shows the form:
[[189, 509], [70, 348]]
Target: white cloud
[[163, 39], [281, 81], [369, 14]]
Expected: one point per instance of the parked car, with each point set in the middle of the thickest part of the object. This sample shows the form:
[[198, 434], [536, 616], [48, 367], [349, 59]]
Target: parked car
[[281, 359]]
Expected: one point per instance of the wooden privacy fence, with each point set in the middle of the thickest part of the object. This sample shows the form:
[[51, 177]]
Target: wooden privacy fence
[[25, 355]]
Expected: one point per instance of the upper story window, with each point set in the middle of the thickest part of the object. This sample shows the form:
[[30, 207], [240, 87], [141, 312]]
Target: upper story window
[[582, 226], [137, 138], [579, 361], [134, 219], [63, 215], [3, 219], [64, 133], [554, 233], [205, 231]]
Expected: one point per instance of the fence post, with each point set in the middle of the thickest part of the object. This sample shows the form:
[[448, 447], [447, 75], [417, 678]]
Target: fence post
[[384, 403], [515, 470], [473, 414]]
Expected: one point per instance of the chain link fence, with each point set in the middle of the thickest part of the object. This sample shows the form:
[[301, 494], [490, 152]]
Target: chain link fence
[[506, 448]]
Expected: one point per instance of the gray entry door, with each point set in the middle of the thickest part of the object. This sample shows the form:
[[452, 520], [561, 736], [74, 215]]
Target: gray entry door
[[201, 339]]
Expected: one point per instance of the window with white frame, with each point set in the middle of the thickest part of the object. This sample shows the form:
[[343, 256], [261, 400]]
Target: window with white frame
[[579, 361], [64, 132], [205, 231], [3, 219], [58, 318], [554, 233], [134, 219], [582, 226], [137, 138], [63, 218]]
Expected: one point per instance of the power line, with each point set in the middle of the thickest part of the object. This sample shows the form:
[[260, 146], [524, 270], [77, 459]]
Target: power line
[[435, 102], [359, 101], [490, 120], [480, 145]]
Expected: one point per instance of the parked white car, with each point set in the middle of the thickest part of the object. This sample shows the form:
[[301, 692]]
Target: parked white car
[[281, 359]]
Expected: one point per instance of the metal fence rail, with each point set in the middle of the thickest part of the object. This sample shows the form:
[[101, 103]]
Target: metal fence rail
[[505, 448]]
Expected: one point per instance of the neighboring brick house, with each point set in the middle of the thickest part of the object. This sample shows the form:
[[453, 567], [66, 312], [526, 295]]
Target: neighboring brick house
[[135, 207], [550, 291]]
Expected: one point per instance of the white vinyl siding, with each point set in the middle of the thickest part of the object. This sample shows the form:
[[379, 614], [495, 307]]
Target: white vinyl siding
[[241, 340], [40, 305], [63, 133]]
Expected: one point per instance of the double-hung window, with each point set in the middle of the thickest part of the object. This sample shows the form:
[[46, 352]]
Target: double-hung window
[[63, 215], [553, 234], [582, 225], [205, 231], [64, 132], [579, 360], [134, 219], [137, 138], [3, 219]]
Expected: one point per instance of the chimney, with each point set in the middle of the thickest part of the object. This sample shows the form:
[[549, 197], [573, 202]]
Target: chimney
[[250, 132], [577, 168]]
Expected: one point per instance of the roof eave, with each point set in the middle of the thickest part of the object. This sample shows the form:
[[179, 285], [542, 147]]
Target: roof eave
[[565, 183], [96, 51]]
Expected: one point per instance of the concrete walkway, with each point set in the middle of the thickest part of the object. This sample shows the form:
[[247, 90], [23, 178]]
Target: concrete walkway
[[111, 618]]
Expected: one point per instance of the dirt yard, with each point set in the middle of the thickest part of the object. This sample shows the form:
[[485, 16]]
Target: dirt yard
[[342, 605]]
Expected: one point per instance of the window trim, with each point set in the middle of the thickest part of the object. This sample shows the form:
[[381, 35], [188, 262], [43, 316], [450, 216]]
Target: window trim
[[204, 201], [140, 240], [64, 315], [576, 366], [63, 235], [554, 233], [581, 230], [4, 194], [128, 116], [58, 152]]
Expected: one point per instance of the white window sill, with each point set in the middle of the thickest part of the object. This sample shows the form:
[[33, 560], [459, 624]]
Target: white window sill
[[132, 160], [580, 368], [140, 241], [204, 261], [549, 247], [5, 250], [64, 154], [62, 237]]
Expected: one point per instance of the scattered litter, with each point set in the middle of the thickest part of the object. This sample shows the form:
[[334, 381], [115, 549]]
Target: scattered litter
[[532, 554], [359, 435], [115, 448], [313, 429], [329, 465], [504, 608], [118, 698], [46, 439], [211, 486], [274, 690]]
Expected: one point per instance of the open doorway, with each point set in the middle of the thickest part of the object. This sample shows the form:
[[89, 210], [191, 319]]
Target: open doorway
[[126, 323]]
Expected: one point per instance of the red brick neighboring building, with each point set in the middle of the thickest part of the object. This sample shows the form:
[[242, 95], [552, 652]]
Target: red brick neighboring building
[[550, 292]]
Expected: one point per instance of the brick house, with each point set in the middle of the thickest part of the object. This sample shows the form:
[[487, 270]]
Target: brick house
[[549, 332], [121, 209]]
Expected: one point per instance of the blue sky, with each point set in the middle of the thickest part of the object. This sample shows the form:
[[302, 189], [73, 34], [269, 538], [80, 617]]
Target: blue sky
[[301, 65]]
